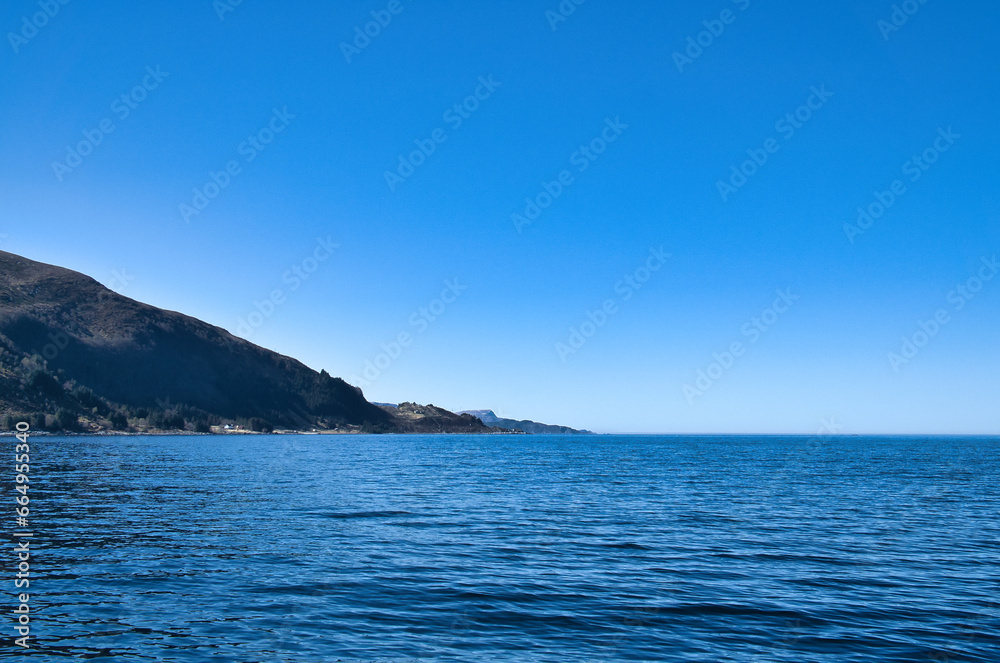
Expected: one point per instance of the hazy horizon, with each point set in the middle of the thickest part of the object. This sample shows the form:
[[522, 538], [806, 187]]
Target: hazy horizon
[[569, 237]]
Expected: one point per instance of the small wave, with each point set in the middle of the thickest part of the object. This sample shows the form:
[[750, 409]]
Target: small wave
[[364, 514], [626, 546]]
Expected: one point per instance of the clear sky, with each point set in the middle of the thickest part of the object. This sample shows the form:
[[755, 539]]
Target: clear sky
[[200, 157]]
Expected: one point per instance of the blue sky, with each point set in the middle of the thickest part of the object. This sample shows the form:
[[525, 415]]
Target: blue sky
[[629, 133]]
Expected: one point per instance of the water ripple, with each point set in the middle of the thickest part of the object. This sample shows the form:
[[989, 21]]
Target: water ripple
[[403, 548]]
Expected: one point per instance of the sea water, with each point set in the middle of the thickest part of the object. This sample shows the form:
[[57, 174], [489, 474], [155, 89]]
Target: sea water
[[513, 548]]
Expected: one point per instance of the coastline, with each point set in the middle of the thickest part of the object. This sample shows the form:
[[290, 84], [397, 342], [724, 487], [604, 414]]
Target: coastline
[[166, 433]]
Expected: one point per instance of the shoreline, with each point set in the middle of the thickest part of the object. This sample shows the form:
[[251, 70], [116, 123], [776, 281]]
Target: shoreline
[[166, 433]]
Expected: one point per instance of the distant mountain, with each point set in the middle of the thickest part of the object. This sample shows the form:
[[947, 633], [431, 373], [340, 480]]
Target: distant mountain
[[75, 355], [533, 427], [431, 419]]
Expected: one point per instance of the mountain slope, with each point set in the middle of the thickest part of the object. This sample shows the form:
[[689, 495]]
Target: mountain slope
[[68, 343], [432, 419], [532, 427]]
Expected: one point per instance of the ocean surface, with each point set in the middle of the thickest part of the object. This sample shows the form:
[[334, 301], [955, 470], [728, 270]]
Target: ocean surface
[[512, 548]]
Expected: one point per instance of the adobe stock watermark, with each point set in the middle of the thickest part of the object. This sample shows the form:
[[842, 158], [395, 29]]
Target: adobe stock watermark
[[562, 12], [293, 277], [381, 18], [913, 169], [753, 331], [250, 148], [223, 7], [582, 158], [958, 297], [636, 620], [122, 108], [787, 127], [120, 279], [899, 17], [454, 117], [625, 288], [419, 321], [827, 427], [979, 630], [714, 28], [58, 341], [30, 26]]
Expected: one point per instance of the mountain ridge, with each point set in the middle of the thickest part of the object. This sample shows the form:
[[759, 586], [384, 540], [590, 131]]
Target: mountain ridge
[[78, 356], [489, 418]]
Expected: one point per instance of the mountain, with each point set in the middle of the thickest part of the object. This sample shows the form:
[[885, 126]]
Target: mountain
[[533, 427], [76, 355], [431, 419]]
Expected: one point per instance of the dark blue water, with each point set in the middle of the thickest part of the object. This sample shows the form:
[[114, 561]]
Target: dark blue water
[[515, 548]]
